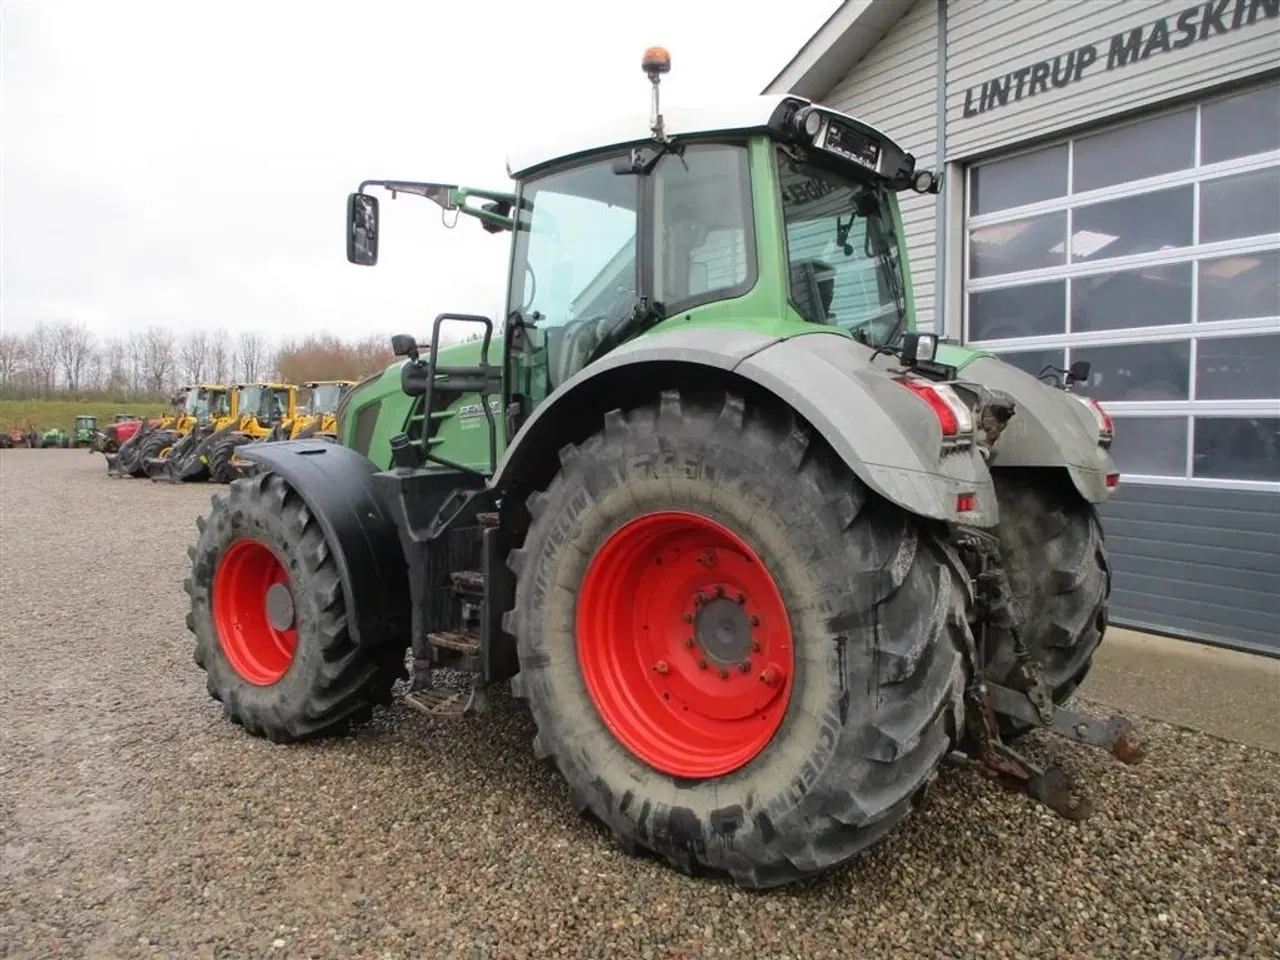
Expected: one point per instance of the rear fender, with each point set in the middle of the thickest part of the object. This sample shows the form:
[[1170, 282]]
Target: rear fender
[[885, 434], [1048, 429], [337, 486]]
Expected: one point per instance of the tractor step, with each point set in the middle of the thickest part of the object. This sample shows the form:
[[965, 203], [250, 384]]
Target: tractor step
[[488, 518], [447, 702], [468, 582], [467, 643]]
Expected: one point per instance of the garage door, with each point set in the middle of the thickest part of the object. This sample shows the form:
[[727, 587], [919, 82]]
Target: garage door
[[1152, 250]]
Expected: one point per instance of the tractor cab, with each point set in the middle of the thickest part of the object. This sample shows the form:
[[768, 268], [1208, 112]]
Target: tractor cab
[[325, 395], [268, 403], [772, 207]]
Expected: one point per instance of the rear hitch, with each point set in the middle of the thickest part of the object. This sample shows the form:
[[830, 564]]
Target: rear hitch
[[1052, 785]]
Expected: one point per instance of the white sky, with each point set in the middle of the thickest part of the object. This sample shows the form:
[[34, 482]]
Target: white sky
[[188, 163]]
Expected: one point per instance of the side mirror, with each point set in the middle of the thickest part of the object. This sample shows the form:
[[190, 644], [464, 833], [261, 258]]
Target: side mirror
[[1080, 371], [404, 345], [362, 229]]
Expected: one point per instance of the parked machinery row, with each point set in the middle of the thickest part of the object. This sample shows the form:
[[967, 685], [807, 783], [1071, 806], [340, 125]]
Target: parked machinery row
[[208, 423]]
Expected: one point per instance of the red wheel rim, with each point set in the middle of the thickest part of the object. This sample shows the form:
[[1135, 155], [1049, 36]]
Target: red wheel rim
[[684, 644], [253, 612]]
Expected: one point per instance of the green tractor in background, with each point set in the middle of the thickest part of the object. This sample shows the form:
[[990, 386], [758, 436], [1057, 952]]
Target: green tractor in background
[[86, 431], [54, 437], [757, 554]]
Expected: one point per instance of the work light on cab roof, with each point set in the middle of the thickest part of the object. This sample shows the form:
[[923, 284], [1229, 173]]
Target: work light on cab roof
[[757, 553]]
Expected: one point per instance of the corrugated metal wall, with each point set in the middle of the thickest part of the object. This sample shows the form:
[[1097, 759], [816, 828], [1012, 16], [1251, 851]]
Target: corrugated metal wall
[[1192, 560], [895, 89], [989, 39]]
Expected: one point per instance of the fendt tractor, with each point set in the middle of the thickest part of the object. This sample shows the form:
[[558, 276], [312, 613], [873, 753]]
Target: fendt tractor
[[758, 555]]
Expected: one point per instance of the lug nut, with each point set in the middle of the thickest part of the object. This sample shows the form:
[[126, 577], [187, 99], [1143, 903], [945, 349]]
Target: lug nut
[[770, 675], [739, 599], [719, 590], [661, 667], [688, 643], [707, 559], [755, 646], [702, 663], [755, 621], [688, 618], [699, 598], [744, 666], [724, 674]]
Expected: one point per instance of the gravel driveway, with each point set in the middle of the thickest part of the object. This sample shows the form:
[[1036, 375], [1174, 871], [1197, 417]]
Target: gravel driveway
[[135, 822]]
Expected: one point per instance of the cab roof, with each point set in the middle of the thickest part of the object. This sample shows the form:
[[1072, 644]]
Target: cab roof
[[736, 115]]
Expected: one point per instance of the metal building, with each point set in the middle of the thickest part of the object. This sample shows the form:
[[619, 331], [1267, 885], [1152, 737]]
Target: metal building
[[1111, 192]]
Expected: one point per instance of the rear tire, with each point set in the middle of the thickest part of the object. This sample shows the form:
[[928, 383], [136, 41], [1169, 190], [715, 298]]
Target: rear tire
[[1055, 554], [281, 682], [876, 611]]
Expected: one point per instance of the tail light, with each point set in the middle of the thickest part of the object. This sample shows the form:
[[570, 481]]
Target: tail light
[[955, 419], [1106, 426]]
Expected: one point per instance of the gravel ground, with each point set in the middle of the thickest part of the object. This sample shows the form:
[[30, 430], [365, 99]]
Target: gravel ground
[[135, 822]]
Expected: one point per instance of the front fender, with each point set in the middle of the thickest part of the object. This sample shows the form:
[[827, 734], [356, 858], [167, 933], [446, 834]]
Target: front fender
[[1048, 429], [887, 436], [336, 484]]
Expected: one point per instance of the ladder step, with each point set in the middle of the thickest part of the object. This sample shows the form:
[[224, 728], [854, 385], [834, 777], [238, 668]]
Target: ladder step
[[440, 703], [468, 581], [462, 642], [488, 519]]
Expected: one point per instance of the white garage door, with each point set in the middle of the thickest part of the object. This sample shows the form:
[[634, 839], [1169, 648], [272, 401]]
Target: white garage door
[[1152, 250]]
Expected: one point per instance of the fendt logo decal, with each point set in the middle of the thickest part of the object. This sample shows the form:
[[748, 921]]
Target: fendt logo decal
[[472, 410]]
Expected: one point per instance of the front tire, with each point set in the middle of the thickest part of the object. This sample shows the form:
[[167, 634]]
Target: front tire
[[220, 457], [859, 623], [269, 619]]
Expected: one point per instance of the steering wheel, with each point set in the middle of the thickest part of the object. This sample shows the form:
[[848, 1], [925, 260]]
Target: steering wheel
[[876, 330], [579, 340]]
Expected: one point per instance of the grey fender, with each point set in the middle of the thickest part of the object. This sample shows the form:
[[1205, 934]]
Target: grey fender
[[885, 434], [1048, 429]]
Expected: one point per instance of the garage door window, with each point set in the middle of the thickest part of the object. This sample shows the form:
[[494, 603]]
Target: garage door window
[[1152, 250]]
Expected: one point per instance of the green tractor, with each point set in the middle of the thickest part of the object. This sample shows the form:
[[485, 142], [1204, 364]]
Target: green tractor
[[758, 555], [52, 438], [86, 431]]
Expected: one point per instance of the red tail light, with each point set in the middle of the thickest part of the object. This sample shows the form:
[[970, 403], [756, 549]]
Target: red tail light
[[954, 417], [1106, 427]]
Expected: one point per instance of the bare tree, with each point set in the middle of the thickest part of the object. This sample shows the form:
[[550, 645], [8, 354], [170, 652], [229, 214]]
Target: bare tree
[[72, 345], [222, 360], [12, 356], [195, 356], [159, 358], [115, 353], [135, 354], [95, 370], [252, 349], [42, 358]]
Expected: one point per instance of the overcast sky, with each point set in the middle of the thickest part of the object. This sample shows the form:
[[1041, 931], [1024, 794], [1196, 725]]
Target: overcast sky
[[187, 163]]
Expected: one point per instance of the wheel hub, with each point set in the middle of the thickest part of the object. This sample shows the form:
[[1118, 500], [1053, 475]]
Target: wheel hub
[[684, 644], [280, 610], [724, 632]]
